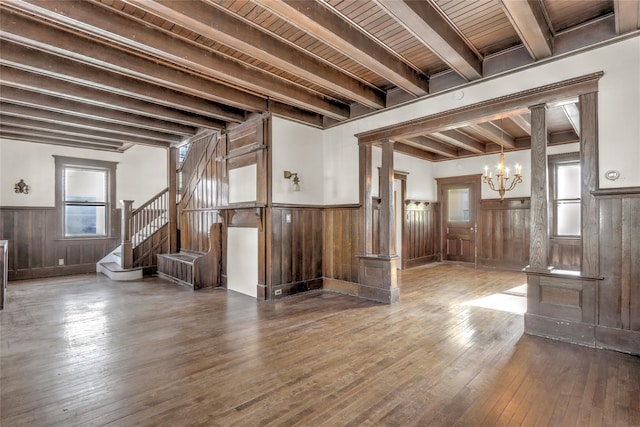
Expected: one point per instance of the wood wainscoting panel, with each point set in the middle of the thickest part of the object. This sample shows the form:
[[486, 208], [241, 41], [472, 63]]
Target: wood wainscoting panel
[[503, 233], [342, 243], [296, 249], [565, 253], [421, 240], [36, 249]]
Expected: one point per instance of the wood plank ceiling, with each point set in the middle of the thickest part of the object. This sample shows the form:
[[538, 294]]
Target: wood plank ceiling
[[107, 74]]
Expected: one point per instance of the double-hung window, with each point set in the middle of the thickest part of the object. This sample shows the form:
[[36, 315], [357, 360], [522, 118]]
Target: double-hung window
[[565, 189], [85, 193]]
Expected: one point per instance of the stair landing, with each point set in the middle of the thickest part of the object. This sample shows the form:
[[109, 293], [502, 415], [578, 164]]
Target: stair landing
[[114, 272]]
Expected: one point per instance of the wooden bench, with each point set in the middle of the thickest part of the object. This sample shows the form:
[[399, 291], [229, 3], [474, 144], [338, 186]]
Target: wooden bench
[[196, 269]]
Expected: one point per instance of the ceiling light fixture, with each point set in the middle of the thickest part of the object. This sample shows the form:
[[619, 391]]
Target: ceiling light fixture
[[502, 183]]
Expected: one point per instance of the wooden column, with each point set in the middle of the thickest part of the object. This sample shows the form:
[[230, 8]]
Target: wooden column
[[387, 216], [366, 204], [539, 242], [126, 249], [172, 208], [589, 182]]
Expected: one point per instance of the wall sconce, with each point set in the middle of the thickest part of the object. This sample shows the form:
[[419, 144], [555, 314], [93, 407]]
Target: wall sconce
[[294, 177], [21, 187]]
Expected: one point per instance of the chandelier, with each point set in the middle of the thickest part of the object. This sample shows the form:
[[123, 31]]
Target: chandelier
[[502, 181]]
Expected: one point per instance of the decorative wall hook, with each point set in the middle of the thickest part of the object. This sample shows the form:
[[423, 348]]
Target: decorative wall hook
[[21, 187]]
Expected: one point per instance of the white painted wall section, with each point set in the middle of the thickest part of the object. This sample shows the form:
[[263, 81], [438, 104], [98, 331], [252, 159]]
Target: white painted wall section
[[297, 148], [141, 171], [242, 260]]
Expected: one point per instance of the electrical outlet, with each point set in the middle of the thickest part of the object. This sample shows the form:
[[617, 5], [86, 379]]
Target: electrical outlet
[[61, 261], [278, 292]]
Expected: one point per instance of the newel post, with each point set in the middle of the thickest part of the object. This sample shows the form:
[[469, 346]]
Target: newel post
[[126, 254]]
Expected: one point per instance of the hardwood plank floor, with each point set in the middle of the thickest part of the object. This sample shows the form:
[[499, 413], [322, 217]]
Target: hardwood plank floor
[[83, 350]]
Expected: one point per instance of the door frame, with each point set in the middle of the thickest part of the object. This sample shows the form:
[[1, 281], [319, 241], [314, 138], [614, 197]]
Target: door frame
[[473, 181]]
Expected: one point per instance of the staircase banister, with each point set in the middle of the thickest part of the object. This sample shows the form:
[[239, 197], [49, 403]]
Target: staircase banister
[[150, 201]]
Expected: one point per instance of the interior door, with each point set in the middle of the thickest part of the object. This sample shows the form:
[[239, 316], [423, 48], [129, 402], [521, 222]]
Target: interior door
[[459, 201]]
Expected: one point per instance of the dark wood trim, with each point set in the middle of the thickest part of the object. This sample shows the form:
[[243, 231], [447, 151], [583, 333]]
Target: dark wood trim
[[617, 192], [539, 240], [486, 110], [366, 203]]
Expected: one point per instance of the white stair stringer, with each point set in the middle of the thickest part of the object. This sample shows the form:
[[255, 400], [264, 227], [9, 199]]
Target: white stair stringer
[[111, 267]]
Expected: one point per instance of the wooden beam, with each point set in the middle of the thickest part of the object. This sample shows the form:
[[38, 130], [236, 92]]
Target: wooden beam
[[25, 131], [53, 117], [132, 72], [431, 145], [573, 115], [461, 140], [99, 22], [412, 151], [63, 142], [315, 19], [19, 85], [522, 122], [627, 13], [217, 24], [422, 20], [527, 18], [494, 133], [109, 138]]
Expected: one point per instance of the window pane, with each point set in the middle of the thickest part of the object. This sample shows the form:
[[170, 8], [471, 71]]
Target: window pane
[[568, 218], [85, 220], [85, 185], [458, 204], [569, 181]]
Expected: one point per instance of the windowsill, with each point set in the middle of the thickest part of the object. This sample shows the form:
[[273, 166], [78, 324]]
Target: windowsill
[[83, 239]]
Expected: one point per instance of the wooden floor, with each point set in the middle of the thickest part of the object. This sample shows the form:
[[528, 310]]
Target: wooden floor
[[84, 350]]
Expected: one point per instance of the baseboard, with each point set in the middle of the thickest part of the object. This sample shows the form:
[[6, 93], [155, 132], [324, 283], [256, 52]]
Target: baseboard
[[42, 272], [623, 340], [563, 330], [288, 289]]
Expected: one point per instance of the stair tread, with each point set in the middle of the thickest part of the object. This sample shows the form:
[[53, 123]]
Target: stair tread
[[114, 266]]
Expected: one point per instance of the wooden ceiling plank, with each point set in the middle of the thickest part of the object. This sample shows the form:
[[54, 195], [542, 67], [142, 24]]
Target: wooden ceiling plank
[[527, 18], [115, 28], [54, 118], [573, 115], [494, 133], [58, 95], [219, 25], [413, 151], [206, 94], [460, 140], [315, 19], [76, 132], [627, 15], [424, 21]]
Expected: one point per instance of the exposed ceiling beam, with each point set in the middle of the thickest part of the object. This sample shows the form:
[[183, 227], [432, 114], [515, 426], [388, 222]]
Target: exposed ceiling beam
[[114, 28], [55, 118], [527, 18], [107, 100], [217, 24], [318, 21], [39, 133], [85, 75], [77, 132], [461, 140], [413, 151], [494, 133], [627, 13], [49, 141], [573, 115], [423, 21], [107, 61], [522, 122], [432, 145]]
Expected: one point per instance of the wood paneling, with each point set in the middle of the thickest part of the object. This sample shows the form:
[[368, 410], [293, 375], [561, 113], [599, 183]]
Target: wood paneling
[[4, 270], [144, 255], [296, 249], [36, 247], [565, 253], [342, 243], [503, 233], [421, 240]]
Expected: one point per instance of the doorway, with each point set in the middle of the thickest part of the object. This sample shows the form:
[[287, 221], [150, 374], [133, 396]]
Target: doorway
[[459, 197]]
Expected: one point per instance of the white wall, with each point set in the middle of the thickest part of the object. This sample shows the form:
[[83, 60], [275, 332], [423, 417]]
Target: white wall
[[242, 260], [297, 148], [141, 171], [619, 126], [420, 182]]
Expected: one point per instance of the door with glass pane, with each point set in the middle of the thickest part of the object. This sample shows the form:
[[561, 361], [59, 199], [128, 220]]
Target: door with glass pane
[[459, 201]]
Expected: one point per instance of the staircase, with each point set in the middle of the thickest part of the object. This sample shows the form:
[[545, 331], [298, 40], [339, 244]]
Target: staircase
[[144, 235]]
